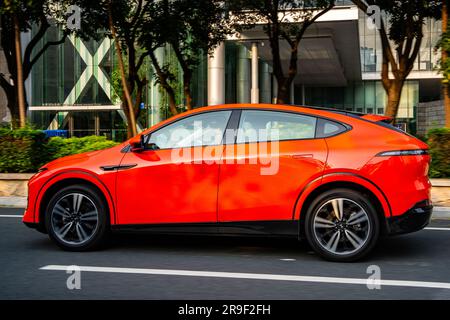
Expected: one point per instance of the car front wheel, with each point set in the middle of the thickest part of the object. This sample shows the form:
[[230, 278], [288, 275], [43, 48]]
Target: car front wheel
[[342, 225], [76, 218]]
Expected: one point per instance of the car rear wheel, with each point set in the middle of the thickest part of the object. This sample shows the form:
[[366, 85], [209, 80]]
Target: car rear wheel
[[342, 225], [77, 218]]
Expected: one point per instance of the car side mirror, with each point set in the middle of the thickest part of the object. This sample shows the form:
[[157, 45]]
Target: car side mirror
[[137, 144]]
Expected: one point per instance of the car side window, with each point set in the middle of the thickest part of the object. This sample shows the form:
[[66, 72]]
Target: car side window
[[206, 129], [260, 126], [328, 128]]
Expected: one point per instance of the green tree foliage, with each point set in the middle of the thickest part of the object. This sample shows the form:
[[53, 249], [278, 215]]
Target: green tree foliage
[[401, 37], [191, 28], [40, 15], [444, 66], [439, 143], [26, 150], [22, 150], [60, 147], [282, 20], [124, 20]]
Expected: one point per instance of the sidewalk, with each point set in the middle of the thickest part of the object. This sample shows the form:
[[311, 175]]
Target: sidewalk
[[21, 202], [13, 202]]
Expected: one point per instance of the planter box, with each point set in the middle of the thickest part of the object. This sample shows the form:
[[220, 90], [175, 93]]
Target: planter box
[[440, 193], [14, 184]]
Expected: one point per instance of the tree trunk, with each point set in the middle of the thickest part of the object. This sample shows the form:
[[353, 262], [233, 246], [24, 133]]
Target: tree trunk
[[130, 132], [445, 91], [13, 109], [131, 118], [446, 105], [163, 81], [394, 94], [172, 101], [283, 91], [20, 80], [139, 93], [187, 77]]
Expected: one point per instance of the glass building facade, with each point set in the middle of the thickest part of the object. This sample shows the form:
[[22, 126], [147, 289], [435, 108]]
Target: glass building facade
[[72, 86]]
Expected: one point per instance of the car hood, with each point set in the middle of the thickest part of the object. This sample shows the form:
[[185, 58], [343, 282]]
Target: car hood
[[76, 158]]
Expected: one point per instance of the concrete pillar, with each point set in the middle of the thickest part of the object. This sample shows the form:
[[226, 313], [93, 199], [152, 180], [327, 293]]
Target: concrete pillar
[[255, 75], [216, 76], [96, 124], [156, 93], [265, 83], [242, 76]]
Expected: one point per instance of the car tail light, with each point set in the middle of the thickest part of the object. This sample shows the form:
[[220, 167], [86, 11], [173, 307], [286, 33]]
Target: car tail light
[[415, 152]]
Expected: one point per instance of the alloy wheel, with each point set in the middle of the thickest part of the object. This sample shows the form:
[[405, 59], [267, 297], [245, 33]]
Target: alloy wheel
[[341, 226], [75, 218]]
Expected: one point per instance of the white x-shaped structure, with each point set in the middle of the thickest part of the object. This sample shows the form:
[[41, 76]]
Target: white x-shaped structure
[[92, 69]]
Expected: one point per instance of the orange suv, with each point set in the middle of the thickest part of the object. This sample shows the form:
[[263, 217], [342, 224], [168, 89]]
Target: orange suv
[[336, 178]]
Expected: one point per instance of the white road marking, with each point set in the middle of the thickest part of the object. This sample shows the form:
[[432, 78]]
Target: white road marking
[[10, 216], [438, 229], [252, 276], [288, 259]]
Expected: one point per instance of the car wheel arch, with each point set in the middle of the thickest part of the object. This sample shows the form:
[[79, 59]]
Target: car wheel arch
[[68, 179], [309, 196]]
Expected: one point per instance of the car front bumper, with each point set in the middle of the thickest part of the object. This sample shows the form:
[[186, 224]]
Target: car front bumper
[[415, 219]]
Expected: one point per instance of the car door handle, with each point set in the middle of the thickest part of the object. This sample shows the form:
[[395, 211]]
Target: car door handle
[[301, 155], [119, 167]]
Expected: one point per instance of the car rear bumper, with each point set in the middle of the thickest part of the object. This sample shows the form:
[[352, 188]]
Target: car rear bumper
[[412, 220]]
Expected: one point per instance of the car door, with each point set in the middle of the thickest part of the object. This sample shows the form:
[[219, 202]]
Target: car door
[[274, 156], [175, 179]]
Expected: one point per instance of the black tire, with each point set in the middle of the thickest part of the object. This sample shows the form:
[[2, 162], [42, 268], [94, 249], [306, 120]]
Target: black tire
[[91, 199], [319, 233]]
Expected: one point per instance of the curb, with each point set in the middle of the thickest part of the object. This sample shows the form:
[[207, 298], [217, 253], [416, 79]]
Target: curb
[[441, 213], [13, 202], [21, 202]]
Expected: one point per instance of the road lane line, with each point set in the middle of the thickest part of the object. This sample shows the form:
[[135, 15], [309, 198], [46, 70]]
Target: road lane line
[[251, 276], [437, 229]]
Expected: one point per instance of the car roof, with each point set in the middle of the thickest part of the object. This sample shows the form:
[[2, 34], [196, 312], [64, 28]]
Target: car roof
[[336, 114], [280, 107]]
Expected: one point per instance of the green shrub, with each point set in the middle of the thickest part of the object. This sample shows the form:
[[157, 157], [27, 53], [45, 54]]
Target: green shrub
[[22, 150], [61, 147], [25, 150], [439, 143]]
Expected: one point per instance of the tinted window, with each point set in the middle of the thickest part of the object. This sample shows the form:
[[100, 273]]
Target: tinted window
[[328, 128], [205, 129], [273, 125]]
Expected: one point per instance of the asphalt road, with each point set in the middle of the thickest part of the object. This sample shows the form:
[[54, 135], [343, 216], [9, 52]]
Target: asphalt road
[[245, 268]]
